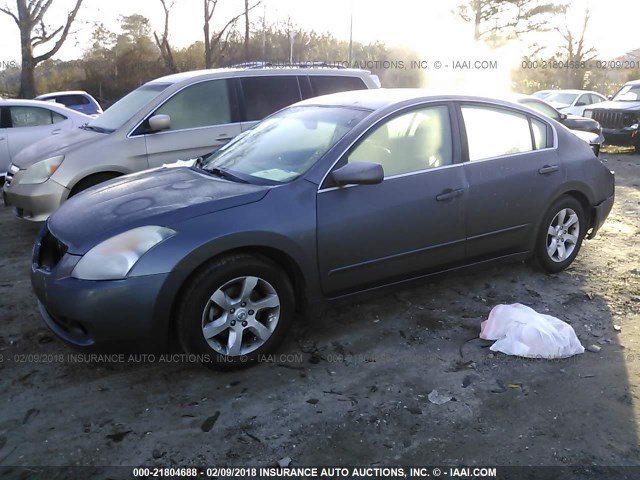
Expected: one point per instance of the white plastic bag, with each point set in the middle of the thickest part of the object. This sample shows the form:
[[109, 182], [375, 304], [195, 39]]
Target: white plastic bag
[[521, 331]]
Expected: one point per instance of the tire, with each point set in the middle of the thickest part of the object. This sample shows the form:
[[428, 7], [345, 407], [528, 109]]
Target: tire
[[556, 248], [238, 328], [637, 147], [91, 181]]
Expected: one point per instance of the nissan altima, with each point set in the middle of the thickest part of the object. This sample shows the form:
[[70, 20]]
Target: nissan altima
[[327, 198]]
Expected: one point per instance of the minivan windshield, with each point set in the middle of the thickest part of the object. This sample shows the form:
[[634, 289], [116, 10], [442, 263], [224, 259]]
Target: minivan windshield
[[285, 145], [120, 112]]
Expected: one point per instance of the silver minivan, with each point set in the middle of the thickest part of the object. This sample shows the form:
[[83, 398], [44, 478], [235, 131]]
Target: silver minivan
[[181, 116]]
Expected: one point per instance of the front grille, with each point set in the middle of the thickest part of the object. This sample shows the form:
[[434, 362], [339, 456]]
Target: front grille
[[614, 118], [51, 251]]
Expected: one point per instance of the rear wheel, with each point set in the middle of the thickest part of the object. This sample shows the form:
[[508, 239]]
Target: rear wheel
[[235, 310], [561, 234], [91, 181]]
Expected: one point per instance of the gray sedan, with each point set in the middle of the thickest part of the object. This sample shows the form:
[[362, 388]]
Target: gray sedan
[[328, 198], [24, 122]]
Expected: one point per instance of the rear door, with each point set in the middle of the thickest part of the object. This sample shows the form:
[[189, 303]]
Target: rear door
[[513, 171], [264, 95], [327, 84], [4, 140], [204, 116], [412, 222]]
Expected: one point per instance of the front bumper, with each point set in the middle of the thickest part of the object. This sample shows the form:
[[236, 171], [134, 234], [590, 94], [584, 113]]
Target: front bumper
[[114, 316], [599, 214], [624, 137], [33, 202]]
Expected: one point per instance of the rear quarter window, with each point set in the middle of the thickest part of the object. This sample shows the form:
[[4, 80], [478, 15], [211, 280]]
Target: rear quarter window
[[327, 84]]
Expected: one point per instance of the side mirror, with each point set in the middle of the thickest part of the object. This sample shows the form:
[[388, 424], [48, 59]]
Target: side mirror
[[563, 116], [159, 122], [358, 173], [609, 97]]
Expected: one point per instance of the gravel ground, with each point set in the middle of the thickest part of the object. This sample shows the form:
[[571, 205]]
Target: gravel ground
[[351, 383]]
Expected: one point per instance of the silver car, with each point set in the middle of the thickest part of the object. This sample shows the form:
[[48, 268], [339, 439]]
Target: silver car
[[24, 122], [178, 117]]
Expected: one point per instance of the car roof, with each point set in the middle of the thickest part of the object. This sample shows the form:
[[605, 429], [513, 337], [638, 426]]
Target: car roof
[[66, 92], [43, 104], [569, 90], [633, 82], [257, 72], [375, 99]]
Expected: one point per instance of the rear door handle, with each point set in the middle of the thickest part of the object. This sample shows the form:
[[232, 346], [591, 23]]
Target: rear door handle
[[448, 194], [548, 169], [56, 132], [224, 139]]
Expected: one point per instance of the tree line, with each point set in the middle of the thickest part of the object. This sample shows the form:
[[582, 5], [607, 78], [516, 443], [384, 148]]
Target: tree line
[[117, 62]]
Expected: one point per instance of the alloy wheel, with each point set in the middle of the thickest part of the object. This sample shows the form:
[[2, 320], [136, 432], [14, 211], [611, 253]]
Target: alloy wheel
[[562, 235]]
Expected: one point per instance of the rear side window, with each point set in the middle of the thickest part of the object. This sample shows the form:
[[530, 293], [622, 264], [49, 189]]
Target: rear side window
[[266, 95], [493, 132], [33, 117], [72, 100], [203, 104], [540, 134], [325, 84]]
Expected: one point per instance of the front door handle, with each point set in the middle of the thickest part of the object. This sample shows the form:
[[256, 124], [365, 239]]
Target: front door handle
[[548, 169], [224, 139], [449, 193], [56, 131]]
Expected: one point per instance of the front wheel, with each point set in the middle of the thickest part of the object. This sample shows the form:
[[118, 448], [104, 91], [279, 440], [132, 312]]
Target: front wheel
[[237, 309], [561, 234]]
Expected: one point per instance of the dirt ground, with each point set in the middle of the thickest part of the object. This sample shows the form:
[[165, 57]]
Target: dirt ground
[[351, 384]]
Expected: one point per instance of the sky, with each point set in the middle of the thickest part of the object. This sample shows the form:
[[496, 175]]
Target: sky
[[427, 26]]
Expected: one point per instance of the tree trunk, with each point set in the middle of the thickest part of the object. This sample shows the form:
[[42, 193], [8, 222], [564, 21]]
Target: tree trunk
[[27, 75], [246, 31]]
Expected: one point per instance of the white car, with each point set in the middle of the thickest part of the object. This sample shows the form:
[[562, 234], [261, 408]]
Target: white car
[[574, 101], [24, 122]]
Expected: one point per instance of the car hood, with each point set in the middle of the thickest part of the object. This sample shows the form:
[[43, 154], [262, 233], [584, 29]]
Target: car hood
[[615, 105], [163, 196], [53, 145]]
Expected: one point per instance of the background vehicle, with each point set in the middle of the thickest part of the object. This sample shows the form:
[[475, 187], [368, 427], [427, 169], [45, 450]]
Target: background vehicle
[[585, 128], [573, 101], [77, 100], [542, 93], [180, 116], [378, 187], [24, 122], [620, 118]]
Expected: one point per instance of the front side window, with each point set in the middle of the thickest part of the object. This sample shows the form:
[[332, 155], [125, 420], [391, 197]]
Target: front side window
[[628, 93], [284, 146], [410, 142], [266, 95], [33, 117], [203, 104], [542, 108], [493, 132]]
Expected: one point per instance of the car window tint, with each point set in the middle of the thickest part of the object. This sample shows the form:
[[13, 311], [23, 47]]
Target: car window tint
[[411, 142], [266, 95], [325, 84], [30, 117], [494, 132], [539, 133], [200, 105]]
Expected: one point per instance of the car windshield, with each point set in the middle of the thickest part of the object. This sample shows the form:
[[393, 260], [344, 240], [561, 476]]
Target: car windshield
[[121, 111], [628, 93], [563, 98], [285, 145]]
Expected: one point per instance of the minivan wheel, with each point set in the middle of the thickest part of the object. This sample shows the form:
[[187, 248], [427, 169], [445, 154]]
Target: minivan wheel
[[561, 234], [234, 311]]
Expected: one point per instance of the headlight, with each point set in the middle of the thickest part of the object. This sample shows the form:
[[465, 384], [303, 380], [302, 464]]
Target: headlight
[[635, 126], [41, 171], [115, 257]]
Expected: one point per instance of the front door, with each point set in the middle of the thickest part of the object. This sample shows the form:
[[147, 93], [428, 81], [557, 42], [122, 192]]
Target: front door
[[203, 118], [412, 222]]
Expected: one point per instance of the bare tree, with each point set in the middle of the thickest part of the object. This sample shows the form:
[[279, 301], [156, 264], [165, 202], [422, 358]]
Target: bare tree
[[213, 41], [576, 51], [497, 20], [246, 30], [163, 43], [35, 32]]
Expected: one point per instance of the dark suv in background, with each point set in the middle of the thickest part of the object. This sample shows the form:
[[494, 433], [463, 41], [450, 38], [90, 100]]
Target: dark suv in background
[[620, 117]]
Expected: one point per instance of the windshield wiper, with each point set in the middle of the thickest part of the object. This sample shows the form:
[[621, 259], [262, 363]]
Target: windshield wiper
[[96, 129], [223, 173]]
